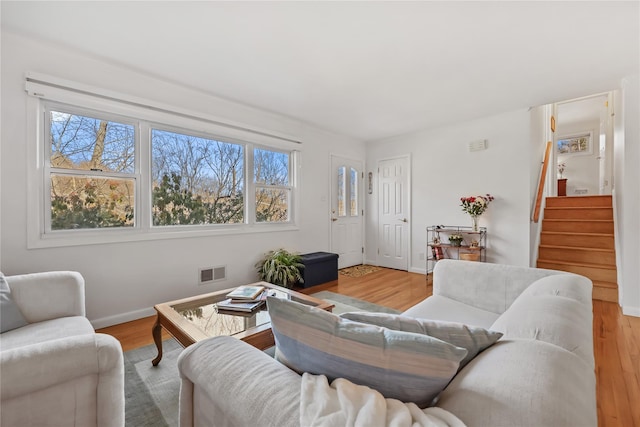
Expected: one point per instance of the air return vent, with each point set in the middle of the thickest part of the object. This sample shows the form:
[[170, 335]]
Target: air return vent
[[212, 274]]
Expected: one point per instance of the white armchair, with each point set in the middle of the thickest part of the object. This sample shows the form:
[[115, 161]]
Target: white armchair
[[56, 370]]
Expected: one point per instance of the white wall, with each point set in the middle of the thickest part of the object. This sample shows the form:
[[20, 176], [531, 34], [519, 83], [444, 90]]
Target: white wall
[[627, 193], [443, 170], [125, 280]]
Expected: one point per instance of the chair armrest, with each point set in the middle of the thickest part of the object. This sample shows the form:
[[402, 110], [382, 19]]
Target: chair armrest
[[246, 385], [45, 296], [36, 367], [491, 287]]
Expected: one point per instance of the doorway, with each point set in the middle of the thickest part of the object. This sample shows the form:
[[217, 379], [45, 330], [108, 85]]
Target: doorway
[[584, 145], [347, 211], [393, 213]]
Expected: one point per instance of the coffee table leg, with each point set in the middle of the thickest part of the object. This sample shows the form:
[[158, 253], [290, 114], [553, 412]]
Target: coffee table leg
[[157, 338]]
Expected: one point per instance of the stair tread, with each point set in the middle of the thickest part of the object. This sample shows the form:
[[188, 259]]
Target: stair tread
[[575, 233], [602, 284], [577, 219], [579, 248], [577, 264]]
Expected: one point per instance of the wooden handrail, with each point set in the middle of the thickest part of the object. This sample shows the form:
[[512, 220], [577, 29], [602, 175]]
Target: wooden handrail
[[543, 177]]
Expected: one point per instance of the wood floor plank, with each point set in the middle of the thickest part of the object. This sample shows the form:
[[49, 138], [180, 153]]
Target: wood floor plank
[[616, 337]]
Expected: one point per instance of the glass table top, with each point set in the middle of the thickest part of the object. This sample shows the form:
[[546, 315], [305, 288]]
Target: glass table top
[[204, 315]]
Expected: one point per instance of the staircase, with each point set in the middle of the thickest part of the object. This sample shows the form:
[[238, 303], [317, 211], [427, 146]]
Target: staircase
[[577, 236]]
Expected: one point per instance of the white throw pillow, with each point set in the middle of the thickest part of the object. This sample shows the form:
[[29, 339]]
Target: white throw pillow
[[10, 315]]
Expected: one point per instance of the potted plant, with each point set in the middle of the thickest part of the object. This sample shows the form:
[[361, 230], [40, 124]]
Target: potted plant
[[455, 239], [281, 267]]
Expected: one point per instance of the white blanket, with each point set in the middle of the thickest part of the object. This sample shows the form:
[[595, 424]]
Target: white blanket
[[346, 404]]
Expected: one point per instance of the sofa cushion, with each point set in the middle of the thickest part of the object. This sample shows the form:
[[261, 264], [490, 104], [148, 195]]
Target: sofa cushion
[[402, 365], [472, 338], [551, 318], [523, 383], [39, 332], [437, 307], [10, 315]]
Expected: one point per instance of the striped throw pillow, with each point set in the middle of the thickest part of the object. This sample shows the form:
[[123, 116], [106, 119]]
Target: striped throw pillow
[[402, 365], [474, 338]]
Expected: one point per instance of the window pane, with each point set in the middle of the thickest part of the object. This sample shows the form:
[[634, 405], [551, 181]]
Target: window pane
[[272, 205], [270, 167], [80, 142], [353, 189], [196, 180], [342, 189], [85, 202]]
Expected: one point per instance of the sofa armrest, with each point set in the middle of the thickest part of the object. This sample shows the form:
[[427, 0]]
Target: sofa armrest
[[245, 386], [49, 295], [490, 287], [30, 368]]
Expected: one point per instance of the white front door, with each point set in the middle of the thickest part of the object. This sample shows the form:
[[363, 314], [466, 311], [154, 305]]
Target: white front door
[[346, 211], [393, 213]]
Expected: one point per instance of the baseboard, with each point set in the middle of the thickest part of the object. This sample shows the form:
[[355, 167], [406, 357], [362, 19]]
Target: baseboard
[[371, 262], [418, 270], [631, 311], [122, 318]]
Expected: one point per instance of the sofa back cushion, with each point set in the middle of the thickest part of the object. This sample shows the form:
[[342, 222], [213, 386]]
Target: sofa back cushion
[[557, 310], [472, 338], [10, 315], [401, 365]]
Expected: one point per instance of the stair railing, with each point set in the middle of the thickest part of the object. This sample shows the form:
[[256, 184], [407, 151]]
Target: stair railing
[[543, 177]]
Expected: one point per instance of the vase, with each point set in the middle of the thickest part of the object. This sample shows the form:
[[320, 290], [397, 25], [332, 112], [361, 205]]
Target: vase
[[474, 222]]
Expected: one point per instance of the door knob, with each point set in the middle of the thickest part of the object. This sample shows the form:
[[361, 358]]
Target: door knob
[[404, 220], [334, 219]]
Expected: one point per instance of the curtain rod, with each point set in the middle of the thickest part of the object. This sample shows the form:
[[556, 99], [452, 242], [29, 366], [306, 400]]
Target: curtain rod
[[152, 107]]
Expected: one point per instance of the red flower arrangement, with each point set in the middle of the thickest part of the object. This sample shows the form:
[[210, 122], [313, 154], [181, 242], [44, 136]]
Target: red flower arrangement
[[475, 205]]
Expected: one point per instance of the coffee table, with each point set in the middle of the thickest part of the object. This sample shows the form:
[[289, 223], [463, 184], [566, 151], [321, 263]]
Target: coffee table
[[194, 319]]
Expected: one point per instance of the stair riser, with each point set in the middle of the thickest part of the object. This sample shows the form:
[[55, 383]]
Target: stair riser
[[578, 213], [592, 201], [577, 255], [593, 273], [578, 226], [605, 294], [584, 241]]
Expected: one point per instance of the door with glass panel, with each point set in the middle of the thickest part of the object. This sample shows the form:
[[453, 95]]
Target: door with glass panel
[[346, 211]]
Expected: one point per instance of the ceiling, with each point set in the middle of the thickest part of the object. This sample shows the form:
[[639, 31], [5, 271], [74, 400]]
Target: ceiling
[[369, 70]]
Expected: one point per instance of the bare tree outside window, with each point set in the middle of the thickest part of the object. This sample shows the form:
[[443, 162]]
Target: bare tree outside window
[[196, 180], [271, 176], [101, 147]]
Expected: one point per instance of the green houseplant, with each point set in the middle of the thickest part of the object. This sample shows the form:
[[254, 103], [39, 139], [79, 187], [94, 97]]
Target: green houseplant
[[281, 267]]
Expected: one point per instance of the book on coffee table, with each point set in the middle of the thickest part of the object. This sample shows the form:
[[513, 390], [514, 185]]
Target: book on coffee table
[[246, 292], [229, 305]]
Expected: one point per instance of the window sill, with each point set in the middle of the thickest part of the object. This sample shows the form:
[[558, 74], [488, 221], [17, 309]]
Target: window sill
[[98, 237]]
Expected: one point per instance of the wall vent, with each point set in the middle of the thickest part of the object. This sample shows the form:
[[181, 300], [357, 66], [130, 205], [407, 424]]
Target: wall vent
[[212, 274], [219, 273]]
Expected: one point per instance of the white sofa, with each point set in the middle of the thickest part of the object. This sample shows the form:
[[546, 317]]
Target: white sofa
[[56, 371], [540, 373]]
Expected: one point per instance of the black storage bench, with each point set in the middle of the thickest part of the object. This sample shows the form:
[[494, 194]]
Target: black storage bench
[[319, 267]]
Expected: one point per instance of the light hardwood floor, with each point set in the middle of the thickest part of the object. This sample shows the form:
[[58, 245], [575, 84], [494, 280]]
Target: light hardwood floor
[[616, 338]]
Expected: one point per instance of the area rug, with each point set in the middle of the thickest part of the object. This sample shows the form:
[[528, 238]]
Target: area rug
[[344, 304], [359, 270], [151, 392]]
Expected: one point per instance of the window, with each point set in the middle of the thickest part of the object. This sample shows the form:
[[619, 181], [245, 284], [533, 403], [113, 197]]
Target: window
[[92, 179], [105, 170], [272, 189], [196, 180]]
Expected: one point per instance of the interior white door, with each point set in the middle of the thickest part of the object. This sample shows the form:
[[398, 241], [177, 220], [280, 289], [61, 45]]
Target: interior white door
[[346, 211], [393, 213]]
